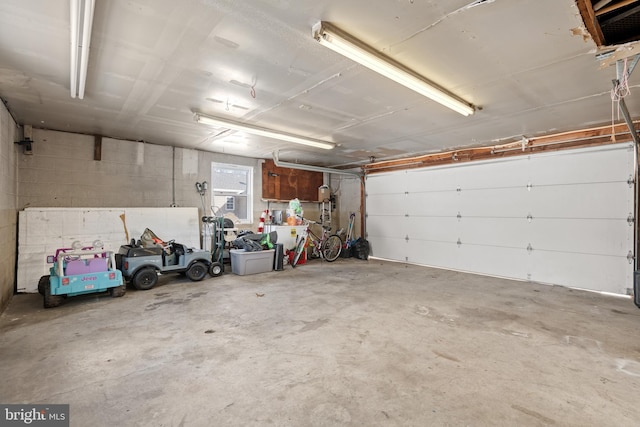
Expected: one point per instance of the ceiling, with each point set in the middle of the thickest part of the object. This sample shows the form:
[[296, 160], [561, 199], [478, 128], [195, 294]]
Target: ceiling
[[529, 65]]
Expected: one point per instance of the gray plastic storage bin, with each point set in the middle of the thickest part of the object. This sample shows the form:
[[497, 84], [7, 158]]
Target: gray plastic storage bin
[[245, 262]]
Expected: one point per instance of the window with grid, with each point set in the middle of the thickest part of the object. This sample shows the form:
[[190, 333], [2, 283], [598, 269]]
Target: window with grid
[[231, 189]]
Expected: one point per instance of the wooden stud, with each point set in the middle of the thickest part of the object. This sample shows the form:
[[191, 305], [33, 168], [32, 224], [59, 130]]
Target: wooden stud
[[603, 135], [97, 148]]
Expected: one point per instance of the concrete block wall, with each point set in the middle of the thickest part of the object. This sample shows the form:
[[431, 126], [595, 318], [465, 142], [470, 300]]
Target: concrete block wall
[[9, 152], [62, 173]]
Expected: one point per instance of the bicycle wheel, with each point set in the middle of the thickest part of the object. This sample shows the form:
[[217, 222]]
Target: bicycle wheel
[[298, 251], [332, 248]]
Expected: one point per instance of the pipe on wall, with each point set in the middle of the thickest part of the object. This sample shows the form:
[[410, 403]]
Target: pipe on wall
[[281, 164]]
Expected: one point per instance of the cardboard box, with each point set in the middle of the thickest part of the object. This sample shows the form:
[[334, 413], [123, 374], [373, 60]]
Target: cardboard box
[[245, 262]]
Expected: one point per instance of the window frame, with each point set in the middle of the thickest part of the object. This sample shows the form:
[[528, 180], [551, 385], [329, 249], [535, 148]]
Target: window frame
[[215, 191]]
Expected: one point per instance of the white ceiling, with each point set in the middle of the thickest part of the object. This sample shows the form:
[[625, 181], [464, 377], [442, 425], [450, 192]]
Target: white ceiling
[[153, 63]]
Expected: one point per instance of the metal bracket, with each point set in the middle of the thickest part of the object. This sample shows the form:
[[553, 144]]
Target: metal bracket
[[458, 189], [630, 219], [631, 64], [529, 248], [406, 238], [529, 217], [631, 181], [529, 186], [459, 242], [459, 216], [630, 257]]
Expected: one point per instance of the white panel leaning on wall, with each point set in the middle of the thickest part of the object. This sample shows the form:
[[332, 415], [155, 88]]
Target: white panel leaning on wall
[[43, 230]]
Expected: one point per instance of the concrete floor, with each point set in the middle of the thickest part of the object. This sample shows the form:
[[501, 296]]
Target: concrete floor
[[349, 343]]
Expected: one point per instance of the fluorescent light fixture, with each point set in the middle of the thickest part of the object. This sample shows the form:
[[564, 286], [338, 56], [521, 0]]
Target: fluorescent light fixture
[[81, 23], [346, 45], [260, 131]]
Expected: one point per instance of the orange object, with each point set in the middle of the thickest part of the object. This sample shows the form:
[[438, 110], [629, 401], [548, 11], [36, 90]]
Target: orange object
[[291, 220]]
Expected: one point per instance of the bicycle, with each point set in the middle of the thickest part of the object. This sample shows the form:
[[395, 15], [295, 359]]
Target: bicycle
[[325, 247]]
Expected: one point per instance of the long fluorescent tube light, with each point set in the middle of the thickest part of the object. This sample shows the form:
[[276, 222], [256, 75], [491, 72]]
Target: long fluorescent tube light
[[352, 48], [81, 23], [260, 131]]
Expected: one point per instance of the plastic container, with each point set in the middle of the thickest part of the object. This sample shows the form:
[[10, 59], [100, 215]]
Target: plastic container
[[246, 262], [324, 193]]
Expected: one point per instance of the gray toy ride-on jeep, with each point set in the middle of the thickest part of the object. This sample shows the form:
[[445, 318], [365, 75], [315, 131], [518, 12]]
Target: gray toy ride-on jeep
[[141, 262]]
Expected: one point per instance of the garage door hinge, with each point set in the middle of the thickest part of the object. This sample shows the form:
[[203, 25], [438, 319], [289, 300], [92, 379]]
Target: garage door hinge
[[630, 257], [630, 219], [406, 215], [631, 181], [529, 217], [459, 242], [529, 186], [406, 193], [458, 189], [406, 238], [529, 248], [459, 216]]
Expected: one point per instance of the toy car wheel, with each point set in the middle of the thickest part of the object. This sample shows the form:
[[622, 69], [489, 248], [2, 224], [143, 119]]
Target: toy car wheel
[[44, 281], [118, 291], [215, 269], [197, 271], [51, 301], [145, 279]]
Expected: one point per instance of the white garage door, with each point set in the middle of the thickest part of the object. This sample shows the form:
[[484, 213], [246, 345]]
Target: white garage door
[[559, 218]]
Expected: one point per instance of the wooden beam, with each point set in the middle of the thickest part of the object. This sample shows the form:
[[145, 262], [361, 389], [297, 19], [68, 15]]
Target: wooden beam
[[603, 135], [615, 7], [590, 21], [97, 148]]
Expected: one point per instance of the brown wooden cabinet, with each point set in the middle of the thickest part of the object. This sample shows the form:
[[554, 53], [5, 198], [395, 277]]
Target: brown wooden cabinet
[[284, 184]]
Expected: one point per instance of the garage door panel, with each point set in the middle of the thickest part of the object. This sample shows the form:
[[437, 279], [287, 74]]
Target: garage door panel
[[433, 204], [435, 254], [568, 167], [496, 261], [589, 236], [386, 226], [386, 183], [496, 174], [581, 201], [434, 229], [599, 273], [496, 203], [499, 232], [387, 204], [392, 248], [432, 179]]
